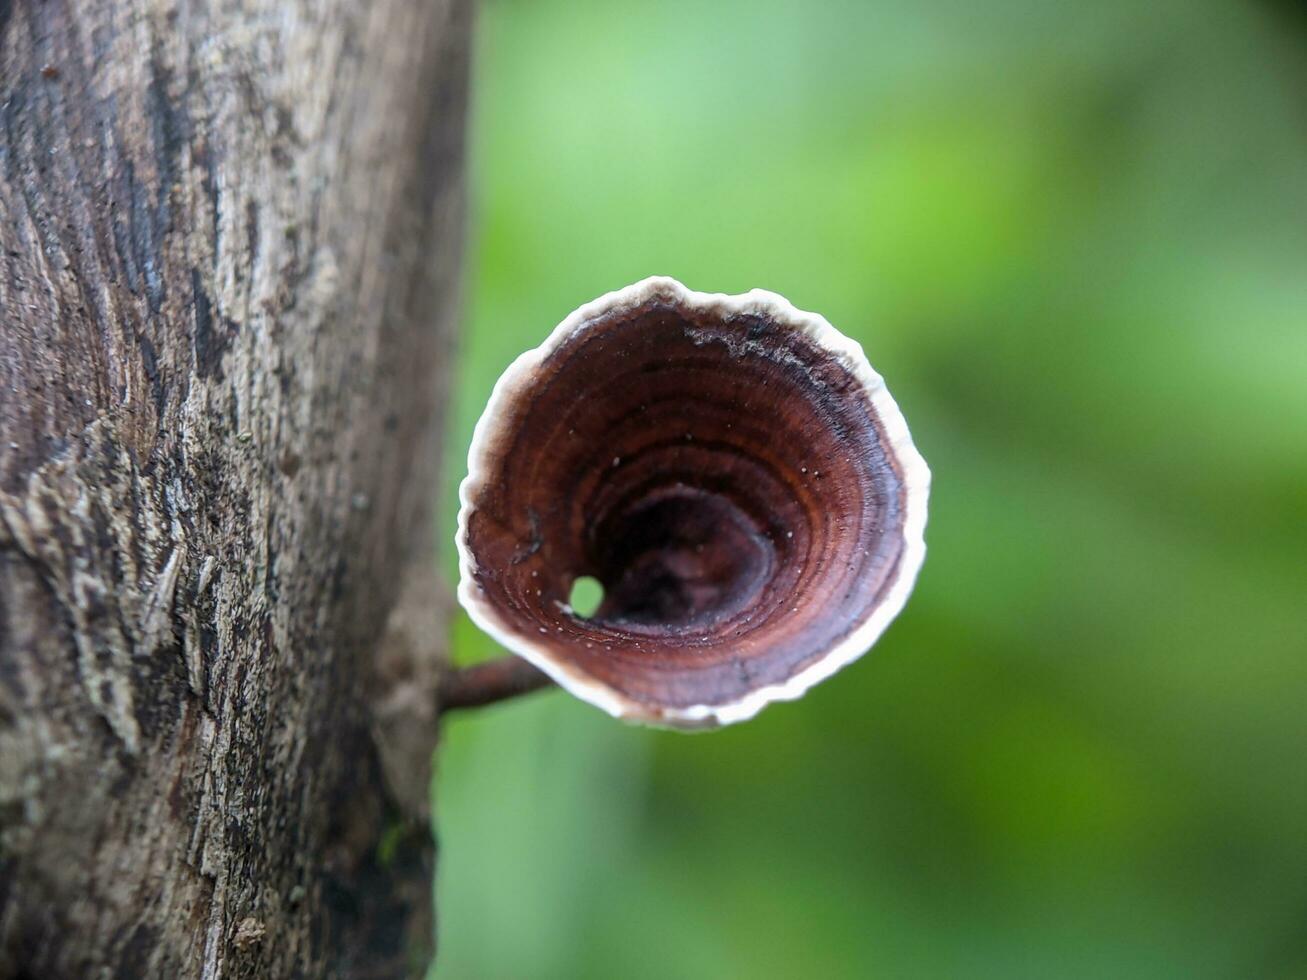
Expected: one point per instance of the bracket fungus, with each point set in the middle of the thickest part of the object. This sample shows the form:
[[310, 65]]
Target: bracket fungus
[[734, 474]]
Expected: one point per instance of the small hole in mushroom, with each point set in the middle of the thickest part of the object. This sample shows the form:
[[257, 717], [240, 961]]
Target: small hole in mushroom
[[587, 594]]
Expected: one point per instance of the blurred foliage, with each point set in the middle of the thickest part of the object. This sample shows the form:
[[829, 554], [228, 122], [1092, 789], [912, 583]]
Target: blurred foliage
[[1073, 237]]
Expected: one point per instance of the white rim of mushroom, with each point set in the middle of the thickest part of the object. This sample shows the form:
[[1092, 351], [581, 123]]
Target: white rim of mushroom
[[915, 492]]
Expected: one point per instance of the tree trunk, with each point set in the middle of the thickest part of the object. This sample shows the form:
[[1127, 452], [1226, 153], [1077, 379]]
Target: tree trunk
[[229, 243]]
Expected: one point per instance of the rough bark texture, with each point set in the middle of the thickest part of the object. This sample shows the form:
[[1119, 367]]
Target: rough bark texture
[[229, 240]]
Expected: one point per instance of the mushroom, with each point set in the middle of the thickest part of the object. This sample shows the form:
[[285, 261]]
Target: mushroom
[[730, 469]]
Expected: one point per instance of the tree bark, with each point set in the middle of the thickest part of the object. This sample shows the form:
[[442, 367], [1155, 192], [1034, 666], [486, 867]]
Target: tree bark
[[229, 244]]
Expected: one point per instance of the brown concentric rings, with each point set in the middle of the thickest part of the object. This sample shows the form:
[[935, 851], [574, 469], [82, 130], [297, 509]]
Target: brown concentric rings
[[730, 468]]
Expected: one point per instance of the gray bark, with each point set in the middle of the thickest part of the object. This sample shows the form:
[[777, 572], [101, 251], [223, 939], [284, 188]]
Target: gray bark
[[229, 242]]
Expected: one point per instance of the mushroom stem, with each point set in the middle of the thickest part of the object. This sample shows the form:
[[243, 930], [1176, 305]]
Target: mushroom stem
[[489, 682]]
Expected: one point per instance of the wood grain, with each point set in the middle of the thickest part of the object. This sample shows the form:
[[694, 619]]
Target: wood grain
[[229, 244]]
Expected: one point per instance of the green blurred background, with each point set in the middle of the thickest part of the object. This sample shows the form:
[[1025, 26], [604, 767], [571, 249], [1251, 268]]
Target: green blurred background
[[1073, 237]]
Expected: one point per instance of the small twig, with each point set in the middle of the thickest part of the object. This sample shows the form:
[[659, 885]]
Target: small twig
[[489, 682]]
